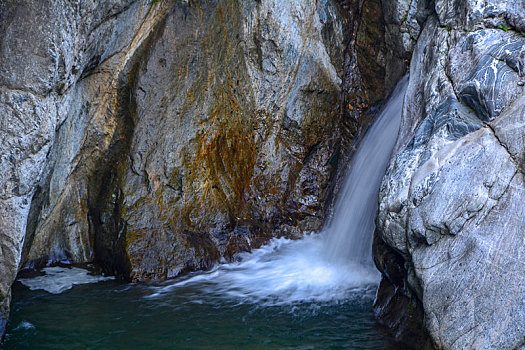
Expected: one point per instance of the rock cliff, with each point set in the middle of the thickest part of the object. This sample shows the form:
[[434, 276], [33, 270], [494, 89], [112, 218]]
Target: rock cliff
[[62, 71], [450, 229], [159, 137]]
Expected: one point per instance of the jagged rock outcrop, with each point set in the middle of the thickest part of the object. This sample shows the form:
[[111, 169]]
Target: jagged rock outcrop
[[450, 228], [157, 137]]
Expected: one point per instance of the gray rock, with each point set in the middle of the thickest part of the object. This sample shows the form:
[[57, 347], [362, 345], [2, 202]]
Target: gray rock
[[484, 86], [402, 23], [4, 315], [450, 203], [233, 132], [46, 50]]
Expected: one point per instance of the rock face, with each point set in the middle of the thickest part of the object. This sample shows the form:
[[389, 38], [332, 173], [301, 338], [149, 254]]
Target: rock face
[[47, 54], [158, 137], [232, 132], [450, 229]]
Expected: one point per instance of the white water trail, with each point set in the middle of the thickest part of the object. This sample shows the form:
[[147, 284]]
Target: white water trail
[[350, 233], [329, 266], [282, 272]]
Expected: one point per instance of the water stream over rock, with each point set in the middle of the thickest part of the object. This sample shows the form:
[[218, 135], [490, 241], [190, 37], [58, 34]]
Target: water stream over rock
[[326, 266], [348, 238], [315, 277]]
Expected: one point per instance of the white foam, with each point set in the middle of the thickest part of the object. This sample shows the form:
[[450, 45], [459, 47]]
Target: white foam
[[330, 266], [282, 272], [58, 279], [24, 325]]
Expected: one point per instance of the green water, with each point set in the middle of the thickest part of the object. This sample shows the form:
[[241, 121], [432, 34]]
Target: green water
[[109, 315]]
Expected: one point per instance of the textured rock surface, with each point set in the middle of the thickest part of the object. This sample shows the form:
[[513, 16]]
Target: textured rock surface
[[247, 95], [47, 52], [451, 204], [209, 131], [159, 137]]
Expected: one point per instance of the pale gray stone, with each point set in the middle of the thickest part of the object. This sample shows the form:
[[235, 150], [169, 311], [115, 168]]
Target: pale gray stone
[[451, 203]]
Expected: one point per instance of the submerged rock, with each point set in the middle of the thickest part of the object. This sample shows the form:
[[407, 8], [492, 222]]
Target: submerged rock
[[451, 208]]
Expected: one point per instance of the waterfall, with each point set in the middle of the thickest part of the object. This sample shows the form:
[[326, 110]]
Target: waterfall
[[331, 265], [349, 235]]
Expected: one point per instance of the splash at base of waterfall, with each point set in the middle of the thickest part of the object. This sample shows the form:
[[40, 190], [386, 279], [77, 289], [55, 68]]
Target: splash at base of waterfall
[[281, 272], [329, 266]]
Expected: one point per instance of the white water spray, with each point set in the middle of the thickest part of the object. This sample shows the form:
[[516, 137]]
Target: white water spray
[[332, 265]]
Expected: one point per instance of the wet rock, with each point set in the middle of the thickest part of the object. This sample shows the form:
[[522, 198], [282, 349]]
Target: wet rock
[[4, 314], [450, 201], [160, 137], [233, 120], [395, 307], [47, 54]]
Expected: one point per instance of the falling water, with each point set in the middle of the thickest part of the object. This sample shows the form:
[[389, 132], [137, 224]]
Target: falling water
[[312, 293], [328, 266], [349, 235]]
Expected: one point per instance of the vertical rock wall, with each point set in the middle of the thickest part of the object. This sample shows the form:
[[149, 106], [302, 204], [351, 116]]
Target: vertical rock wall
[[47, 53], [450, 232], [233, 132]]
